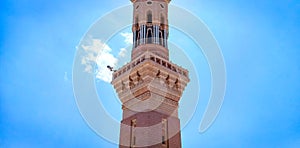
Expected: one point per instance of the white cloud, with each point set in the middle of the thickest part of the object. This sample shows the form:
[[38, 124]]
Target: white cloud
[[66, 77], [123, 52], [128, 38], [100, 54]]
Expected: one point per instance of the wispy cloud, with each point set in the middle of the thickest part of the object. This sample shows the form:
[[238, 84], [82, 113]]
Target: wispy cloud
[[123, 52], [128, 38], [100, 54], [66, 77]]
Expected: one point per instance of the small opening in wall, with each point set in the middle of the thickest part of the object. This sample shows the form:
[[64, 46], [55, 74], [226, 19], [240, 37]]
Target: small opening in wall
[[164, 63], [149, 3], [158, 61], [152, 58], [149, 36]]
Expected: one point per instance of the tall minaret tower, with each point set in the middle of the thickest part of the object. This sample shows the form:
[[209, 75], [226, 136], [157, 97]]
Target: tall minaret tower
[[150, 86]]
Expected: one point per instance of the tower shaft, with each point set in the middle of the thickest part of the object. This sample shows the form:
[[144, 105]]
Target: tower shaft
[[150, 86]]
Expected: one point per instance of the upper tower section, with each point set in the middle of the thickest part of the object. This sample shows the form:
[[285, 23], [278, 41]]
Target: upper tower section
[[150, 27]]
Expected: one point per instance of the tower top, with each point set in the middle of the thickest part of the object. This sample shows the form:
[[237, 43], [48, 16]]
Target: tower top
[[150, 27], [133, 1]]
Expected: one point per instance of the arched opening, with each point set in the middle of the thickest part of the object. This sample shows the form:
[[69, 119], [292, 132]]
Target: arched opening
[[149, 35], [161, 38]]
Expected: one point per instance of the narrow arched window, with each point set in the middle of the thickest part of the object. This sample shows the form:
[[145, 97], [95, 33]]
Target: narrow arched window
[[161, 38], [149, 17], [136, 20], [164, 139], [132, 133], [149, 36], [162, 20]]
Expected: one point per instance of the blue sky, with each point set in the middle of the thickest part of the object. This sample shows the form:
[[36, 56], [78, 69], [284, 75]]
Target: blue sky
[[259, 41]]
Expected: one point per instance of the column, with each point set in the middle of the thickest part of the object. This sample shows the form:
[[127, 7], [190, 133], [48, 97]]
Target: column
[[157, 34], [145, 32], [165, 38], [134, 39], [141, 35]]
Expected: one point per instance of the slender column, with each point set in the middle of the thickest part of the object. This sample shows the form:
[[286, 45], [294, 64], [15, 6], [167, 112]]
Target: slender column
[[137, 38], [154, 34], [141, 35], [157, 34], [134, 39], [145, 34], [165, 38]]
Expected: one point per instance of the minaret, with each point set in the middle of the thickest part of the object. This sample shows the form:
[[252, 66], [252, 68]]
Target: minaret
[[150, 86]]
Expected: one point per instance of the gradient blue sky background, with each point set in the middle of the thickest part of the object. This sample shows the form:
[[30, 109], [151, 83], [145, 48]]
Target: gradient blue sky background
[[259, 40]]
